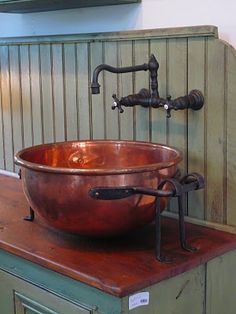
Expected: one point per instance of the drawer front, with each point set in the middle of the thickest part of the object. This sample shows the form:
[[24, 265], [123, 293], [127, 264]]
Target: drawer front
[[48, 304], [20, 297]]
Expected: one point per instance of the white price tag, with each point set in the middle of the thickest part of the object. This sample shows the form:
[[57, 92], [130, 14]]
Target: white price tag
[[138, 299]]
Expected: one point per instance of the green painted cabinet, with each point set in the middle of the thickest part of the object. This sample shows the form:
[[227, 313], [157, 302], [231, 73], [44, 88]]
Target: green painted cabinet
[[26, 288], [24, 6]]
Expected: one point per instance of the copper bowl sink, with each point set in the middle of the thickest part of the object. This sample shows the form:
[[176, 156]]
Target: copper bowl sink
[[57, 179]]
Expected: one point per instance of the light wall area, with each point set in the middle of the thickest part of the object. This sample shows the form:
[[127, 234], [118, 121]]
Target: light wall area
[[146, 15]]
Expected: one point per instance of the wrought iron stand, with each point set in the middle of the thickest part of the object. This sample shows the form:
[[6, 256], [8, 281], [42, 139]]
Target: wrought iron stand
[[179, 188]]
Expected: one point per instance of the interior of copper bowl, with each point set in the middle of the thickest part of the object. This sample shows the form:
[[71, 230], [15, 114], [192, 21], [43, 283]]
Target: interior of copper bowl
[[99, 156]]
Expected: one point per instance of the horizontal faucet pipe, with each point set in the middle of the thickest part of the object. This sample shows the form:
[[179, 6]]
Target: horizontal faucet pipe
[[194, 100], [95, 86], [135, 100]]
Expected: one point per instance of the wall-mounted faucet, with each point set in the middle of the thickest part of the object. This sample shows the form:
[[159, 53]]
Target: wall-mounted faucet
[[146, 98]]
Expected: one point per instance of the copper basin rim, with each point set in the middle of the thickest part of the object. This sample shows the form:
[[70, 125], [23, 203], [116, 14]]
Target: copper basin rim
[[57, 178]]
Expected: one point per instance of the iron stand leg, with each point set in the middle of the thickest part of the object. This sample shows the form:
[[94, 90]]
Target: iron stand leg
[[30, 217], [182, 231], [158, 230], [159, 256]]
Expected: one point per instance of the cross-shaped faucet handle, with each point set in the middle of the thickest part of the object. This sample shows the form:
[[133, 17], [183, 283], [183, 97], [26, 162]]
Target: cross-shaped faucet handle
[[116, 104]]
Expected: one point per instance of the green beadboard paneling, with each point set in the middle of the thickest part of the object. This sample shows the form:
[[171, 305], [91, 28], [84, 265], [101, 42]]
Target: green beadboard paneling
[[58, 92], [179, 32], [98, 107], [70, 85], [84, 96], [112, 129], [177, 85], [46, 93], [215, 130], [45, 97], [142, 115], [6, 101], [196, 123], [16, 100], [159, 122], [230, 159], [126, 87], [36, 94], [2, 143], [26, 95]]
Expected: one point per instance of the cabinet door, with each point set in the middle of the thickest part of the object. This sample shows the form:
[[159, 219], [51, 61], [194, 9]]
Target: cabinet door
[[20, 297]]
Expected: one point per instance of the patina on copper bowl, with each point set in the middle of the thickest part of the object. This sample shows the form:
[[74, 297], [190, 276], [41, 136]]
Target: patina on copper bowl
[[57, 179]]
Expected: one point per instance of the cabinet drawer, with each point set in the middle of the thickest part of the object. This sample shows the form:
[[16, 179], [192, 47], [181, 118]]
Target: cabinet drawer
[[26, 305], [20, 297]]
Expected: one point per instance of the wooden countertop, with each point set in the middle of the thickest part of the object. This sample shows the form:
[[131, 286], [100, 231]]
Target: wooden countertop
[[116, 266]]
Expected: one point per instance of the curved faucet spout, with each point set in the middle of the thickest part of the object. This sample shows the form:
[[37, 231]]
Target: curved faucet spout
[[95, 86], [152, 66]]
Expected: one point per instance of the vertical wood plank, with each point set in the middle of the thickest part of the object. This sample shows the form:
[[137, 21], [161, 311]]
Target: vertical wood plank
[[84, 92], [142, 115], [26, 95], [98, 113], [70, 63], [58, 92], [17, 125], [215, 104], [125, 88], [159, 131], [231, 132], [110, 88], [6, 108], [46, 85], [196, 124], [36, 99], [2, 149], [177, 86]]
